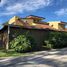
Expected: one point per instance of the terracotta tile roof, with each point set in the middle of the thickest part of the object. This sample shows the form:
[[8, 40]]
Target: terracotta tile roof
[[65, 29], [37, 26], [62, 22], [34, 17], [44, 23], [24, 24], [43, 26]]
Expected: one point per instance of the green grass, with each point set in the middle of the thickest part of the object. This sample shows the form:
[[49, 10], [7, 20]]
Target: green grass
[[11, 53]]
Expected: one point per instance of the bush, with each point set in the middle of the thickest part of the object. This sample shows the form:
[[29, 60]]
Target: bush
[[57, 40], [48, 45], [21, 44], [34, 46]]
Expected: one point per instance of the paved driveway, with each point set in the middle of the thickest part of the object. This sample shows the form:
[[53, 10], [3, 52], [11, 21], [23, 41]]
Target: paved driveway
[[52, 58]]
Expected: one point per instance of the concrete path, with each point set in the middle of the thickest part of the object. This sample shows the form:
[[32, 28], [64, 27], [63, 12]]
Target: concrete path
[[52, 58]]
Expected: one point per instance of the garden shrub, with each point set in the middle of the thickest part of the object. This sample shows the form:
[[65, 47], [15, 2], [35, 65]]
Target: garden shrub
[[34, 46], [21, 44], [57, 40], [48, 45]]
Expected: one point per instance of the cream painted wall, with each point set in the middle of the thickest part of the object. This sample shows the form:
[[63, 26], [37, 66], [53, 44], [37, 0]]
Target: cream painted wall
[[13, 19], [57, 25], [53, 24], [29, 21]]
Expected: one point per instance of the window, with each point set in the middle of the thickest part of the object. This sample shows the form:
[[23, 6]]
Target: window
[[51, 25]]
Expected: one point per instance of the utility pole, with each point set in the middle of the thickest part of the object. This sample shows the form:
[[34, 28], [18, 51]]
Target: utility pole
[[7, 45]]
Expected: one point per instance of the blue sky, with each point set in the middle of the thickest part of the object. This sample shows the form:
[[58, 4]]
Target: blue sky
[[52, 10]]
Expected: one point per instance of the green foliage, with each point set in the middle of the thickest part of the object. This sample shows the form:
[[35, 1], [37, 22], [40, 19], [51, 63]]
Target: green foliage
[[21, 44], [11, 53], [34, 46], [48, 45], [57, 40]]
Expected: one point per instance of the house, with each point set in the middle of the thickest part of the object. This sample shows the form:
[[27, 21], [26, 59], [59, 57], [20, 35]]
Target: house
[[34, 26], [59, 25]]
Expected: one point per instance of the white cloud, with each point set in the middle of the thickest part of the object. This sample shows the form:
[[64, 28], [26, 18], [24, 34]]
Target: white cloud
[[20, 6], [61, 12], [15, 8], [36, 4], [7, 13]]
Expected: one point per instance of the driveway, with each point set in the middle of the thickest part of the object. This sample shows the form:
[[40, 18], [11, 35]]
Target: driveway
[[52, 58]]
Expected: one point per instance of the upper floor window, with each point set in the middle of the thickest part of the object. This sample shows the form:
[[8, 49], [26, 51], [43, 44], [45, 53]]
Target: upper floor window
[[51, 25], [36, 20]]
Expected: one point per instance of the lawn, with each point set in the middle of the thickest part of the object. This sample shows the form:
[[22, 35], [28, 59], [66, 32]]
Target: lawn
[[11, 53]]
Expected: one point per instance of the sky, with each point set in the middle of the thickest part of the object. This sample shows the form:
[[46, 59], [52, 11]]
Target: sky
[[52, 10]]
